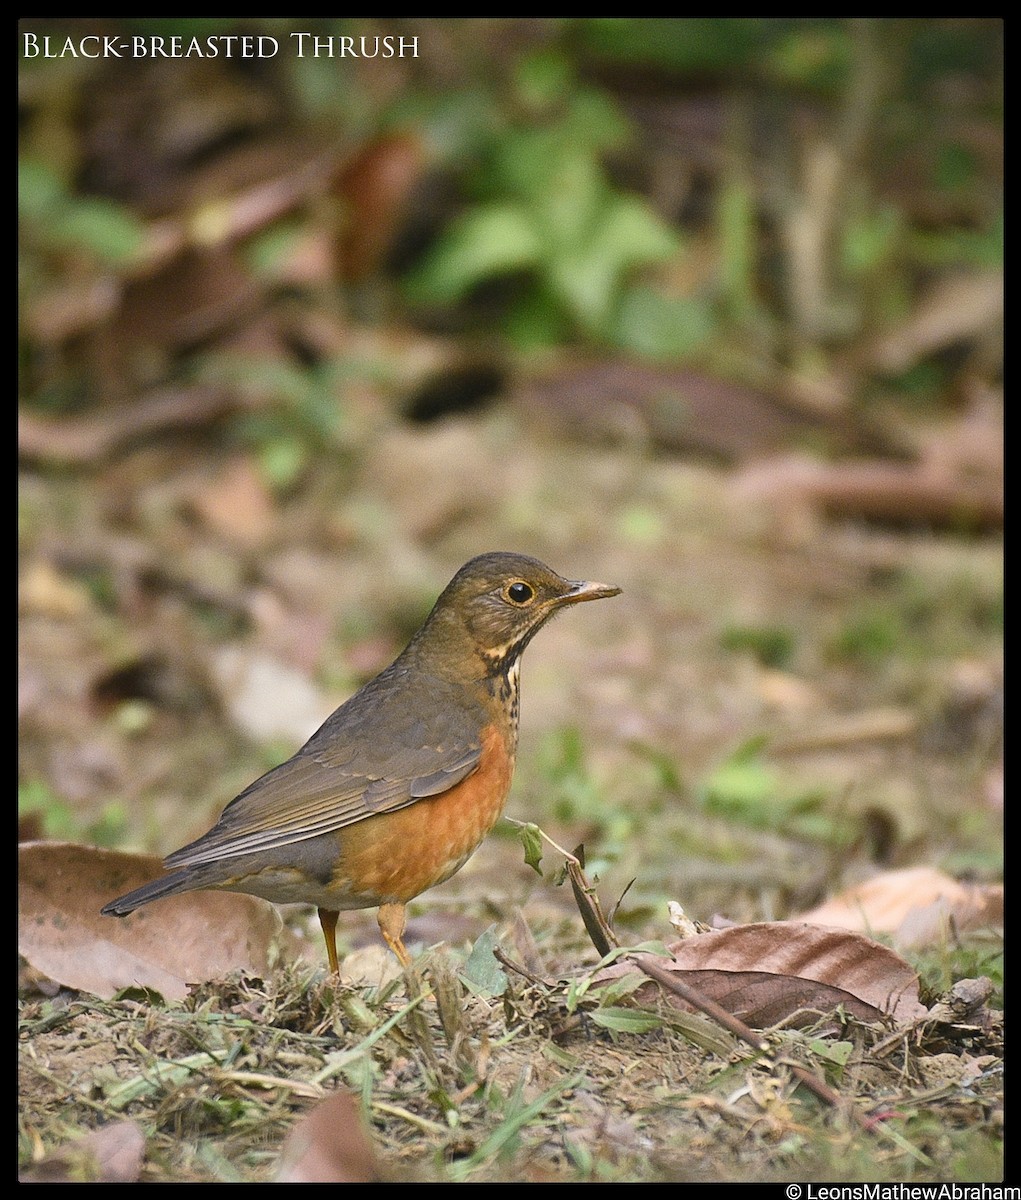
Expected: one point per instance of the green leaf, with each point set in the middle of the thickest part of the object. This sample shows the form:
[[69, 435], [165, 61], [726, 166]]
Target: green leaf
[[772, 645], [680, 44], [621, 987], [626, 234], [593, 120], [870, 239], [531, 840], [40, 192], [741, 788], [482, 973], [632, 232], [492, 240], [543, 78], [833, 1052], [282, 460], [662, 327], [111, 232], [536, 165], [626, 1020]]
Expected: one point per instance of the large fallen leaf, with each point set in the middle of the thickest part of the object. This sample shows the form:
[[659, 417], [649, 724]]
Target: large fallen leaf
[[165, 946], [765, 972], [916, 905], [329, 1145]]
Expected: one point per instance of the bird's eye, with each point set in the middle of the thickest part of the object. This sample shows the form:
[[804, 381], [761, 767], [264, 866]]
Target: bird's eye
[[519, 593]]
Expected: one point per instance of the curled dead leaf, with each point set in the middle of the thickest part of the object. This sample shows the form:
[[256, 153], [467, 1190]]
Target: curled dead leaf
[[766, 972]]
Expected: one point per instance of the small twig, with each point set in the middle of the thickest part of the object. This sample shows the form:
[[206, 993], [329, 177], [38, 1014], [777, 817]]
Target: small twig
[[517, 968], [695, 998]]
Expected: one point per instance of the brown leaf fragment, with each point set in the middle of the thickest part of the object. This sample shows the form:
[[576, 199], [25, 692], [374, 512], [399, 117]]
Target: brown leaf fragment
[[377, 185], [88, 438], [766, 972], [112, 1154], [588, 905], [237, 504], [329, 1145], [166, 946], [874, 489], [965, 1003]]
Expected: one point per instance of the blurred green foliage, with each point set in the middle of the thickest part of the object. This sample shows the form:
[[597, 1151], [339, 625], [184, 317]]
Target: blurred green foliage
[[57, 219], [967, 956], [745, 789], [546, 208], [772, 645], [60, 822], [628, 183], [300, 416], [913, 612], [579, 796]]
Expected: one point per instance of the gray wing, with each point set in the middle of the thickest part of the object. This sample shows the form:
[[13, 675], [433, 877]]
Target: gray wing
[[405, 739]]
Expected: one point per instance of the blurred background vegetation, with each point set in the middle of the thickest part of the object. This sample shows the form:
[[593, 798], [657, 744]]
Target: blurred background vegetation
[[711, 308], [748, 194]]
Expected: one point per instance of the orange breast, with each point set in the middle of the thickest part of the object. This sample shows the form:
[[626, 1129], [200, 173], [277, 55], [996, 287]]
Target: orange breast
[[396, 856]]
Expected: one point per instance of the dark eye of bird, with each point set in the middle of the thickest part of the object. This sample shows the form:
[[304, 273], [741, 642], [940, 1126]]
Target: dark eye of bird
[[520, 593]]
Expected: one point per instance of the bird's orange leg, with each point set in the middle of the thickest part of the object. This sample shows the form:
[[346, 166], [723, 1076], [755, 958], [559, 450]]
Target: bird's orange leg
[[328, 920], [392, 919]]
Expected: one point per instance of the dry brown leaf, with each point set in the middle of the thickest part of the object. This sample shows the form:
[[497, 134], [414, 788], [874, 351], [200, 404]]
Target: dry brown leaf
[[237, 504], [915, 905], [329, 1145], [765, 972], [166, 946], [369, 966], [377, 185], [112, 1154]]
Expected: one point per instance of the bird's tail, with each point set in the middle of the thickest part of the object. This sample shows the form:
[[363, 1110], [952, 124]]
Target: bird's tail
[[179, 881]]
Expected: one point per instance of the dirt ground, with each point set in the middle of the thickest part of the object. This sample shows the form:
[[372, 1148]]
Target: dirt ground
[[778, 706]]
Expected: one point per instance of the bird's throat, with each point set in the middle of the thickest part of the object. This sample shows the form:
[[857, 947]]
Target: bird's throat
[[503, 670]]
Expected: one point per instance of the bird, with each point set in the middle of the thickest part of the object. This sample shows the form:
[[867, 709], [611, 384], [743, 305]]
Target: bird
[[400, 785]]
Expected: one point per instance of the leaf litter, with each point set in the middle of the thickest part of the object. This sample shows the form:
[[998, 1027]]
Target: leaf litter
[[463, 1070]]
